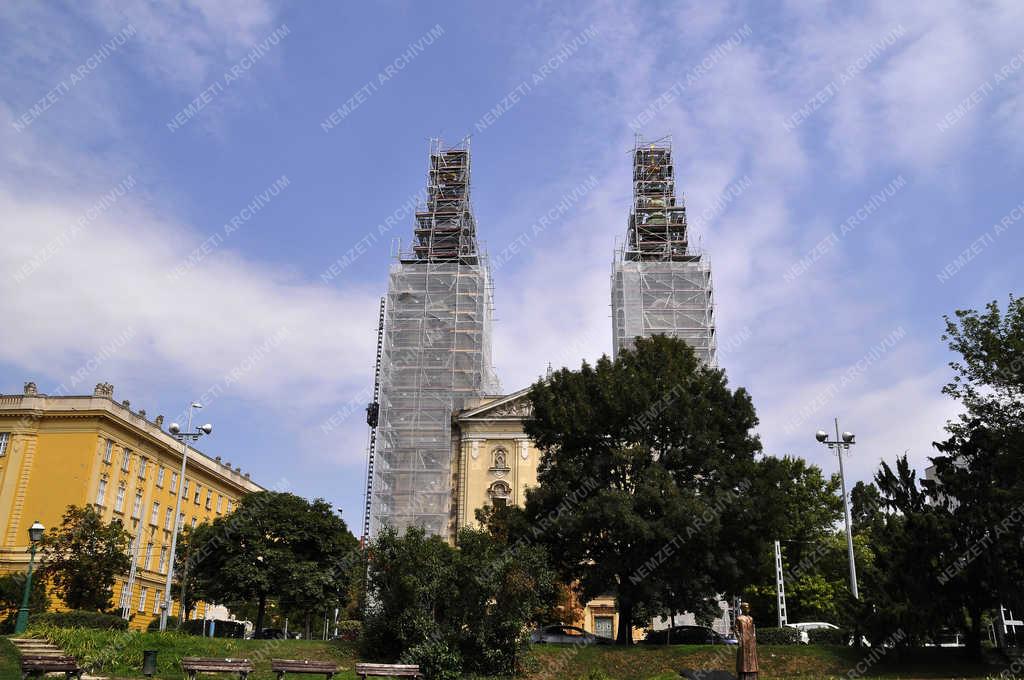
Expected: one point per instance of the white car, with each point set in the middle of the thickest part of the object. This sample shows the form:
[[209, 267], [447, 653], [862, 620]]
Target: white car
[[811, 625]]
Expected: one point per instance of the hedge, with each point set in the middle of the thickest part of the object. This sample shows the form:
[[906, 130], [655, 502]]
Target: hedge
[[829, 636], [77, 618], [349, 630], [778, 636]]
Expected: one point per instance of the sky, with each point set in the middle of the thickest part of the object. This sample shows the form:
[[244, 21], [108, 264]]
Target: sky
[[200, 201]]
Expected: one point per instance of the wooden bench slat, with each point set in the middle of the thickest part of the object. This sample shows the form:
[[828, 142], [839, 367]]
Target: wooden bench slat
[[388, 670]]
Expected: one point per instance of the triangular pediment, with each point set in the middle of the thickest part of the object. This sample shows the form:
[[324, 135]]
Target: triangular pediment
[[514, 406]]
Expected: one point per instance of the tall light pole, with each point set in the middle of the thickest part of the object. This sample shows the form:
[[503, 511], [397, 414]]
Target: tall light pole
[[841, 445], [35, 534], [183, 437]]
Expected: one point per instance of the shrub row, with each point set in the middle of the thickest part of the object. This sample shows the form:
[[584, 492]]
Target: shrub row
[[80, 619], [778, 636]]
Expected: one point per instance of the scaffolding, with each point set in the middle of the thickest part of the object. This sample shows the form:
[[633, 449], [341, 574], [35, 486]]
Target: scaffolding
[[436, 352], [660, 285]]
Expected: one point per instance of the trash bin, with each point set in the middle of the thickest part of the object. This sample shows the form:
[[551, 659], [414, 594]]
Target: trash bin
[[149, 662]]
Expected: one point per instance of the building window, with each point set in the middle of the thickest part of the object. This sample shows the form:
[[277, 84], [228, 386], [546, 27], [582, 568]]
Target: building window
[[149, 556], [181, 520], [193, 522], [209, 499], [160, 477], [154, 516], [119, 501], [108, 455], [174, 482], [156, 602], [499, 493], [230, 505], [143, 462], [198, 493], [101, 492], [163, 559], [184, 487], [167, 519], [127, 460], [137, 505], [143, 593], [220, 502]]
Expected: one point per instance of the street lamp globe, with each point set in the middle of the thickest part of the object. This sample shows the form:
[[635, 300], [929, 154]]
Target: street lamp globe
[[848, 437], [174, 428], [35, 532], [207, 428], [821, 436]]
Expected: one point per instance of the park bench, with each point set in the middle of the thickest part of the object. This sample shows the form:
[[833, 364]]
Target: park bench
[[193, 665], [282, 666], [37, 666], [387, 670]]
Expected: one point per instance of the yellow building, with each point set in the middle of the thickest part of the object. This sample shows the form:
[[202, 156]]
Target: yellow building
[[493, 463], [57, 451]]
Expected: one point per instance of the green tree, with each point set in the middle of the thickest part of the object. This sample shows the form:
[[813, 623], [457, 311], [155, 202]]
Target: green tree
[[455, 609], [81, 558], [12, 588], [274, 545], [647, 460]]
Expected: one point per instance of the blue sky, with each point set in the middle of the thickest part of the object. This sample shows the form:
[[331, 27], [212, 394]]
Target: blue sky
[[853, 174]]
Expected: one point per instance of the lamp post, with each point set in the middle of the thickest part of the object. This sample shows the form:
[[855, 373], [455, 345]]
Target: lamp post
[[841, 444], [35, 534], [183, 437]]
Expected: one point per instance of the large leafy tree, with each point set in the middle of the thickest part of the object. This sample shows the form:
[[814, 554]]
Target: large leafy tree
[[82, 557], [274, 545], [642, 486], [455, 609], [949, 549]]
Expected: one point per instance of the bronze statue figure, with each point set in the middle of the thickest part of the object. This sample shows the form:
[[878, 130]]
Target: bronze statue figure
[[746, 654]]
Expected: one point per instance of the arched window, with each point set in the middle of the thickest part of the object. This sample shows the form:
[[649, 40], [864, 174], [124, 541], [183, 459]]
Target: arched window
[[499, 493]]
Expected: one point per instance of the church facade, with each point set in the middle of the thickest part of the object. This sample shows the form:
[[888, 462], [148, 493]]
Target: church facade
[[493, 463]]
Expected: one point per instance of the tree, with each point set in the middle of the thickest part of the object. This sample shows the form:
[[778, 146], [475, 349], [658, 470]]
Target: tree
[[81, 558], [274, 545], [12, 588], [647, 460], [989, 376], [455, 609]]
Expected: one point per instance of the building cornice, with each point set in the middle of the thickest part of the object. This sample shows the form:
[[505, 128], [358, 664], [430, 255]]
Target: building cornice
[[34, 407]]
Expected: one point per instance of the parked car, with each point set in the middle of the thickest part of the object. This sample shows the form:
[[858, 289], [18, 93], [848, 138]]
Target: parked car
[[687, 635], [567, 635], [809, 626], [275, 634]]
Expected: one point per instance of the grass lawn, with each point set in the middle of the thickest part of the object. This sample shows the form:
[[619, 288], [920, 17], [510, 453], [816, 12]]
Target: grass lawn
[[777, 663], [119, 655]]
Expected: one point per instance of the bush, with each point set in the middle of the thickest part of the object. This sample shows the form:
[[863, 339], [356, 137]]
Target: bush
[[778, 636], [829, 636], [154, 625], [436, 658], [221, 629], [349, 630], [77, 618]]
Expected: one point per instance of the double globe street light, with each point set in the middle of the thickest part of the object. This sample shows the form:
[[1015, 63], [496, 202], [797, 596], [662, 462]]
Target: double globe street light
[[175, 430], [841, 444]]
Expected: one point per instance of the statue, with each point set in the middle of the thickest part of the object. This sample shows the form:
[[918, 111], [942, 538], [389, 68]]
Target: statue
[[746, 654]]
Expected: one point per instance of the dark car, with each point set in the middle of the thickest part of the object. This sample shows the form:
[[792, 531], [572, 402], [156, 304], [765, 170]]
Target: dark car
[[269, 634], [686, 635], [567, 635]]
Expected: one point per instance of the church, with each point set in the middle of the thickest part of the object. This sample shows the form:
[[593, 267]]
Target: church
[[443, 443]]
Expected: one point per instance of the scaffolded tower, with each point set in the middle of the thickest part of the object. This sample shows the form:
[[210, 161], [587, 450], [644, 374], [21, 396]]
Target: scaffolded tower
[[436, 353], [659, 283]]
